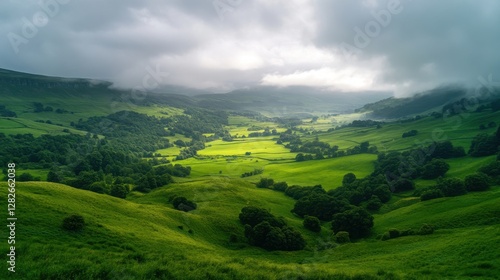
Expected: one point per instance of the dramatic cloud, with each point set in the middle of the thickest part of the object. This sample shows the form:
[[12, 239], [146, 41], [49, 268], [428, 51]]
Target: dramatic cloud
[[401, 46]]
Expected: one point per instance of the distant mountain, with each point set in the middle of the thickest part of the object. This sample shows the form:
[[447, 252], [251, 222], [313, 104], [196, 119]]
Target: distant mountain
[[277, 101], [435, 99]]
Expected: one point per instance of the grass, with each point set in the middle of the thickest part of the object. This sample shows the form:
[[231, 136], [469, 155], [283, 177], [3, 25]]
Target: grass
[[139, 238]]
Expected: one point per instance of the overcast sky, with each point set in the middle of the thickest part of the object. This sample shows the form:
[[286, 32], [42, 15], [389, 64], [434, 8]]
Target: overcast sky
[[401, 46]]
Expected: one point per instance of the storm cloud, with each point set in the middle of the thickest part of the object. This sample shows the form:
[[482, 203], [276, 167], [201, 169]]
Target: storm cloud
[[400, 46]]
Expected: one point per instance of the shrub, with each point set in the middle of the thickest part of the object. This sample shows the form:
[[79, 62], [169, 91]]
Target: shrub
[[385, 236], [431, 194], [183, 204], [451, 187], [312, 223], [265, 183], [477, 182], [425, 229], [394, 233], [374, 203], [402, 185], [434, 169], [357, 222], [119, 190], [25, 177], [280, 186], [342, 237], [73, 223]]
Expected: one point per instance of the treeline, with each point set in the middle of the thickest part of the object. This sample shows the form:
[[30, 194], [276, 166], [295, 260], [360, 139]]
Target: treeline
[[4, 112]]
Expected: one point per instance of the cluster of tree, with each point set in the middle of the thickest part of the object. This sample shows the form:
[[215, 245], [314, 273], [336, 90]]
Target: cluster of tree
[[329, 152], [134, 132], [4, 112], [484, 144], [38, 108], [489, 125], [334, 206], [266, 132], [410, 133], [263, 229], [183, 204], [478, 181], [256, 171], [425, 229], [396, 166], [191, 150], [197, 121]]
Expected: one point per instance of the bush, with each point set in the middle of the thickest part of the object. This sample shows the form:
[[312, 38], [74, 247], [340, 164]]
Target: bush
[[73, 223], [374, 203], [402, 185], [394, 233], [265, 183], [119, 190], [312, 223], [342, 237], [280, 186], [357, 222], [425, 229], [25, 177], [477, 182], [451, 187], [183, 204], [431, 194], [434, 169]]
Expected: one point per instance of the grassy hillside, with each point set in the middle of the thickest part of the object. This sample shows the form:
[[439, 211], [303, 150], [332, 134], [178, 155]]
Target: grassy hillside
[[141, 239]]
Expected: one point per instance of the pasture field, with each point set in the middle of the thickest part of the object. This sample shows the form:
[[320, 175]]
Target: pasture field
[[24, 126], [142, 237]]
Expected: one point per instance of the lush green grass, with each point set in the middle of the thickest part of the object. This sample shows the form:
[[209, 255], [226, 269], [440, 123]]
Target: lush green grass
[[24, 126], [259, 147], [140, 238]]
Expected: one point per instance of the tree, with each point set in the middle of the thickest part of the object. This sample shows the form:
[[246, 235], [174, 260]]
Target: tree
[[119, 190], [431, 194], [25, 177], [265, 183], [342, 237], [349, 178], [477, 182], [183, 204], [402, 185], [280, 186], [73, 223], [451, 187], [251, 215], [357, 222], [312, 223], [483, 145], [53, 177], [434, 169], [374, 203]]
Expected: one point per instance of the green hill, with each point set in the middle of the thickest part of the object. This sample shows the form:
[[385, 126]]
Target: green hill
[[140, 238]]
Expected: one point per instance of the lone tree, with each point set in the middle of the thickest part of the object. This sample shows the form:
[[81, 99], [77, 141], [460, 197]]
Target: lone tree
[[357, 222], [73, 223], [312, 223]]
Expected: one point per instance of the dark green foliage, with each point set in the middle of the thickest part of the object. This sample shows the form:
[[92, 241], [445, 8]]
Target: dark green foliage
[[298, 192], [322, 206], [265, 183], [425, 230], [38, 107], [492, 169], [402, 185], [394, 233], [357, 222], [434, 169], [99, 187], [374, 203], [349, 178], [53, 177], [280, 186], [85, 179], [383, 193], [269, 232], [431, 194], [25, 177], [451, 187], [312, 223], [410, 133], [183, 204], [4, 112], [342, 237], [256, 171], [484, 145], [119, 190], [477, 182], [73, 223]]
